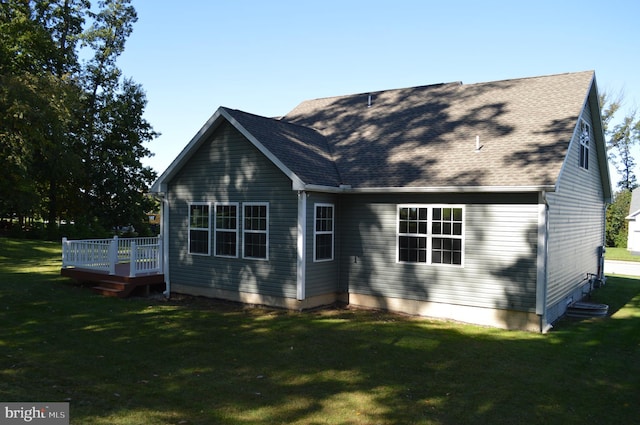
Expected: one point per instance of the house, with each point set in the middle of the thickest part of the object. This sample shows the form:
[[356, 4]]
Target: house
[[482, 203], [633, 235]]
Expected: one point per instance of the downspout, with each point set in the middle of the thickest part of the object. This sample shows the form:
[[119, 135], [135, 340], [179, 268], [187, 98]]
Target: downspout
[[542, 255], [301, 248], [164, 232], [602, 248]]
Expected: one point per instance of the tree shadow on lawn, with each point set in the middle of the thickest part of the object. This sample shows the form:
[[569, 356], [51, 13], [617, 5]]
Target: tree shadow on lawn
[[203, 362]]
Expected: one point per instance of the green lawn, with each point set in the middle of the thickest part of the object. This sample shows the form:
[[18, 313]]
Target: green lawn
[[196, 361], [620, 254]]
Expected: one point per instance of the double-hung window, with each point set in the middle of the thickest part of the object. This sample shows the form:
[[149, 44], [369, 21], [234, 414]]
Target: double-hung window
[[199, 228], [431, 234], [255, 230], [226, 230], [585, 136], [323, 232]]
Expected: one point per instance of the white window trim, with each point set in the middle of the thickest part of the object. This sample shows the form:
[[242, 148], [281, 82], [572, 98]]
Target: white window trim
[[430, 235], [324, 232], [215, 228], [208, 229], [587, 146], [245, 231]]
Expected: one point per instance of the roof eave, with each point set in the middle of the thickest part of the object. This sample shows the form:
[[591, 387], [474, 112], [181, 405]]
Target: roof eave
[[594, 101], [633, 216], [160, 185], [428, 189]]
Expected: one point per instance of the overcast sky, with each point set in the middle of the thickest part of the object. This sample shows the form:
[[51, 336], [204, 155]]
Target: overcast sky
[[265, 57]]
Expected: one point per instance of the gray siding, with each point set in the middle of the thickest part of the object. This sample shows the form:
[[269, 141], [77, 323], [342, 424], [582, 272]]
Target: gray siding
[[321, 277], [500, 252], [576, 224], [228, 168]]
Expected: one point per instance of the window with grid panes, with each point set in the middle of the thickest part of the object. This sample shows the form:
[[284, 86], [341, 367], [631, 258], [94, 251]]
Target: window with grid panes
[[585, 137], [199, 228], [430, 234], [226, 230], [256, 230], [323, 232]]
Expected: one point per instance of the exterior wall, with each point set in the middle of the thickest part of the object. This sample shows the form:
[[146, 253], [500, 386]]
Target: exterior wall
[[228, 168], [499, 271], [633, 236], [321, 277], [575, 228]]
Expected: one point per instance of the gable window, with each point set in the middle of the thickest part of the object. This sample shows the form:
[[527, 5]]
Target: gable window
[[199, 228], [585, 136], [226, 230], [323, 232], [256, 230], [430, 234]]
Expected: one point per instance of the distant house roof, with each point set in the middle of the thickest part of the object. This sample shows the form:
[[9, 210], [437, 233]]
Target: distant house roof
[[422, 137], [634, 207]]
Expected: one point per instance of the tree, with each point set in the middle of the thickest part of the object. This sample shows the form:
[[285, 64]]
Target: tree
[[616, 224], [624, 136], [115, 130], [122, 181], [71, 134], [34, 104], [621, 138]]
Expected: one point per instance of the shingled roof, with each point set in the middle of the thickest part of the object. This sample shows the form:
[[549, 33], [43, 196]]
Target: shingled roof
[[421, 138], [426, 136], [302, 150]]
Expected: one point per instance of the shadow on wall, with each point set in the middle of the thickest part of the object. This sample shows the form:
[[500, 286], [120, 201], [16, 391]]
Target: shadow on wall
[[519, 280]]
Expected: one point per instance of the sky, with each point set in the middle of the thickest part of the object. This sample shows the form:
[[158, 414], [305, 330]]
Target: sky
[[265, 57]]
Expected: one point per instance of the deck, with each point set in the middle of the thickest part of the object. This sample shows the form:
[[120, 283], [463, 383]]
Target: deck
[[120, 284], [114, 267]]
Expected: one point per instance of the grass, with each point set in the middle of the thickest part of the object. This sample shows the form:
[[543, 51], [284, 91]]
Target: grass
[[197, 361], [620, 254]]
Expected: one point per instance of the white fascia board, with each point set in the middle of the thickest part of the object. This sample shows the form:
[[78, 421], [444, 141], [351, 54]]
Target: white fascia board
[[591, 101], [632, 216], [601, 147], [430, 189], [297, 183], [212, 123], [221, 114]]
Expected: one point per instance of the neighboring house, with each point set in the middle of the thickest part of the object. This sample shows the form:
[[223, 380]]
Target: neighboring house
[[633, 235], [482, 203]]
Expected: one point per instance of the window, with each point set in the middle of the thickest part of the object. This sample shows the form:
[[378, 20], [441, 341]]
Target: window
[[256, 230], [323, 232], [585, 136], [226, 230], [199, 228], [430, 234]]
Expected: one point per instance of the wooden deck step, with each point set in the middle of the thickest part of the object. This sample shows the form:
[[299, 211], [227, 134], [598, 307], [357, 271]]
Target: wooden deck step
[[120, 286], [112, 288], [109, 292]]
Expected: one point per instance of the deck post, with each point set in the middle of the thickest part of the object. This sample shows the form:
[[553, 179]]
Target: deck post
[[64, 252], [133, 259], [160, 255], [113, 255]]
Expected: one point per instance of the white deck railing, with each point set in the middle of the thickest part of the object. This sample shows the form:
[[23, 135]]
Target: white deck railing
[[144, 255]]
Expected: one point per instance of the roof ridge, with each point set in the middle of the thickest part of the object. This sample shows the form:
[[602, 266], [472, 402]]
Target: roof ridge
[[436, 85], [532, 77], [453, 83]]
